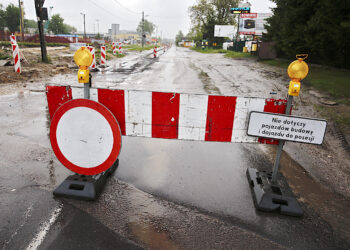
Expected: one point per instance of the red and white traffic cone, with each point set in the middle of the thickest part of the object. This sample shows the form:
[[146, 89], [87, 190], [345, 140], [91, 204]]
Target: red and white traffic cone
[[103, 55], [155, 52], [114, 48], [120, 48]]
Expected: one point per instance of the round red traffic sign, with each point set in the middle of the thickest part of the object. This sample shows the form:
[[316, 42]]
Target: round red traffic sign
[[85, 136]]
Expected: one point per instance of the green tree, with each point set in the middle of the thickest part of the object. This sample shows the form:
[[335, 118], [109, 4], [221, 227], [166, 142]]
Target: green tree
[[56, 24], [69, 29], [148, 27], [205, 14], [320, 28], [30, 24], [12, 18], [179, 37], [2, 18]]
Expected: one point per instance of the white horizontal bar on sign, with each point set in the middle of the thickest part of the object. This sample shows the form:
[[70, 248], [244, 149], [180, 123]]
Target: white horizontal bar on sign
[[138, 113], [244, 105], [192, 117]]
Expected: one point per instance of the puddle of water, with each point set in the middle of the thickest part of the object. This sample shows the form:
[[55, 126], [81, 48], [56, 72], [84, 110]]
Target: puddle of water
[[330, 206], [151, 237]]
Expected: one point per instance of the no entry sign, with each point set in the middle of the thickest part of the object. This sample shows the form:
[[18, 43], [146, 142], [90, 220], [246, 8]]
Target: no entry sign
[[288, 128], [85, 136]]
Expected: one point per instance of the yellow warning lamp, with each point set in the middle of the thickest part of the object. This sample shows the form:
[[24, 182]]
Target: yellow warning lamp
[[297, 71], [83, 59]]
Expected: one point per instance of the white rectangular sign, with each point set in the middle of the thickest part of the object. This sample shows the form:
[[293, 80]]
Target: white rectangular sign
[[288, 128], [224, 31]]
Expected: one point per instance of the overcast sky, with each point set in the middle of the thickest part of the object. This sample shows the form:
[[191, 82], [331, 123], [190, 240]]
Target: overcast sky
[[170, 15]]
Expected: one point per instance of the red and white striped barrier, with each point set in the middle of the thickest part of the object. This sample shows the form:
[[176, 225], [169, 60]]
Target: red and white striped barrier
[[120, 48], [174, 115], [15, 54], [114, 48], [155, 51], [13, 39], [103, 55], [92, 50]]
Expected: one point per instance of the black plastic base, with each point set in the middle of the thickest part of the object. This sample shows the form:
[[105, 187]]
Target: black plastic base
[[83, 187], [268, 197]]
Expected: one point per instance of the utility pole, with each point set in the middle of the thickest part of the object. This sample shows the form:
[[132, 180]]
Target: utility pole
[[83, 14], [98, 26], [39, 13], [21, 18], [143, 28]]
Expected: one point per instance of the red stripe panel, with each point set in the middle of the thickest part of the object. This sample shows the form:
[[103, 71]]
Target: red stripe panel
[[274, 106], [165, 115], [114, 101], [220, 116], [56, 96]]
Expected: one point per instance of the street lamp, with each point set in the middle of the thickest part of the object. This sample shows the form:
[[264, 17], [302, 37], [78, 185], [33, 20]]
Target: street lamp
[[83, 14]]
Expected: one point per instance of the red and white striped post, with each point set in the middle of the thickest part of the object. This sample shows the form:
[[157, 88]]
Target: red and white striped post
[[120, 48], [155, 51], [13, 39], [103, 55], [15, 54], [114, 48], [92, 50]]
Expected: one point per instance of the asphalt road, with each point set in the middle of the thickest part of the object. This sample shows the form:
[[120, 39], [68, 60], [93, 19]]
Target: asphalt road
[[166, 194]]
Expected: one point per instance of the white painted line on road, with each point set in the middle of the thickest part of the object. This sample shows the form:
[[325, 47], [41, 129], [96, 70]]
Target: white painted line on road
[[40, 236], [27, 214]]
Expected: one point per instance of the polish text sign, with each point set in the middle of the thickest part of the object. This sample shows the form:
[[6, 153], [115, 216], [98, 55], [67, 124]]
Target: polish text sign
[[288, 128]]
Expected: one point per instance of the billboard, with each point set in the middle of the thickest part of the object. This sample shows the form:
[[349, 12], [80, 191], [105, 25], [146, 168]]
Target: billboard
[[224, 31], [253, 23]]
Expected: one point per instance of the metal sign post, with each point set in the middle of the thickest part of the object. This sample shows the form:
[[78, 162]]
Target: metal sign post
[[281, 144]]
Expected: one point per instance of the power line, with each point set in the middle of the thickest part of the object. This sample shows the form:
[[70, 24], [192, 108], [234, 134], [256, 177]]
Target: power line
[[131, 11]]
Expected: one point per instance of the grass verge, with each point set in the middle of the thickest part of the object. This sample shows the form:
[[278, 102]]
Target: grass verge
[[335, 82], [228, 53], [332, 81]]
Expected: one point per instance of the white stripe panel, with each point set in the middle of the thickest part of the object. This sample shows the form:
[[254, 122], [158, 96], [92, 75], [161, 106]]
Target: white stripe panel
[[138, 113], [77, 93], [243, 107], [193, 117], [93, 95]]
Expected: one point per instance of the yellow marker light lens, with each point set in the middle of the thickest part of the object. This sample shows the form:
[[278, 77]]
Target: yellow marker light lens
[[83, 57]]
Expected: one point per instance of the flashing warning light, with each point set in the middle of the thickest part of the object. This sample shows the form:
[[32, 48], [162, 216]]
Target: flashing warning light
[[83, 58], [297, 71]]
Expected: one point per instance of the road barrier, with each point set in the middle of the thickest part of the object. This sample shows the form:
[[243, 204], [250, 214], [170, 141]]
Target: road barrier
[[120, 48], [92, 50], [13, 39], [103, 55], [174, 115], [114, 48], [155, 52], [15, 54]]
